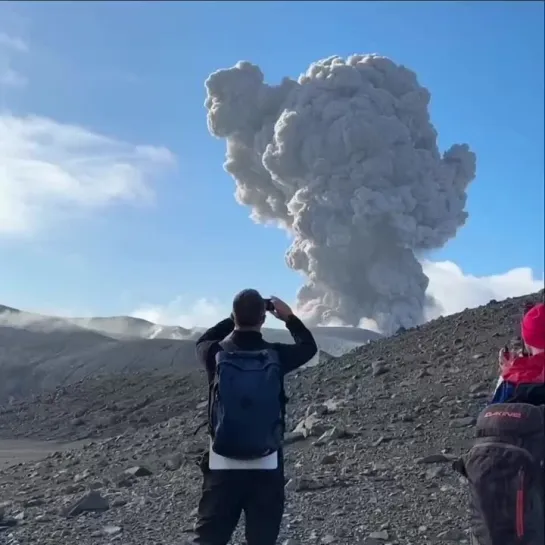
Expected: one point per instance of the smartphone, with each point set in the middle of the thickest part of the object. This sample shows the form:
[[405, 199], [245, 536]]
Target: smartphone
[[269, 305]]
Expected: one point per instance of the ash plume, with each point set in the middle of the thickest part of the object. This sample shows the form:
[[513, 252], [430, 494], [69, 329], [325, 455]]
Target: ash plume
[[346, 159]]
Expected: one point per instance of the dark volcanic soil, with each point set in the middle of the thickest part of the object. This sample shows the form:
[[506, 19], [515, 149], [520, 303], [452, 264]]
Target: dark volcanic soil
[[361, 476]]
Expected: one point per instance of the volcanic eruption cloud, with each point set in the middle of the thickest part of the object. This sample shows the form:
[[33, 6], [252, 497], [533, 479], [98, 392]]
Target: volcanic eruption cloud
[[346, 159]]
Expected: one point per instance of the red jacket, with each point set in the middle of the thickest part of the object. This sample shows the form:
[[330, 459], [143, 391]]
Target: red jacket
[[525, 370]]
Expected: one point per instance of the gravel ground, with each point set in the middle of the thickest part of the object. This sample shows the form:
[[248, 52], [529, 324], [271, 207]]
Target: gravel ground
[[17, 451], [368, 460]]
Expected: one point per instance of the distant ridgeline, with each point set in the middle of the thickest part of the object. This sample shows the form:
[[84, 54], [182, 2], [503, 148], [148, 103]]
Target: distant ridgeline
[[39, 352]]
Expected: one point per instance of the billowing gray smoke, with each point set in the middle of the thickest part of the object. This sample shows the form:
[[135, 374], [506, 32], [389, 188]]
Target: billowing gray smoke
[[346, 159]]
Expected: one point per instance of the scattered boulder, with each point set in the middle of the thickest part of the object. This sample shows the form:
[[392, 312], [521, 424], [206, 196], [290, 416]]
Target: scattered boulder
[[91, 502], [378, 368], [435, 472], [330, 458], [331, 435], [138, 471], [112, 530], [311, 426], [435, 459], [463, 422], [381, 535], [174, 462]]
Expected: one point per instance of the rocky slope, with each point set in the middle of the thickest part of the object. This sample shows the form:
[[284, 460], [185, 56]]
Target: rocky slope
[[371, 437]]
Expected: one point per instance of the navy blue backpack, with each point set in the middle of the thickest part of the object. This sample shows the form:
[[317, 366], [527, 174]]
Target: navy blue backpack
[[247, 403]]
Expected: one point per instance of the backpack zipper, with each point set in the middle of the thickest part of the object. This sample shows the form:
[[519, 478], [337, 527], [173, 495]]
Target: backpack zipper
[[520, 506]]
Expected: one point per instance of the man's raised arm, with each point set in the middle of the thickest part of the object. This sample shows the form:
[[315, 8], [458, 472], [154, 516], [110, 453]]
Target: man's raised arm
[[207, 344], [295, 355]]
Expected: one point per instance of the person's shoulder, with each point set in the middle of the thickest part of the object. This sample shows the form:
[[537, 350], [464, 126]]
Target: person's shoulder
[[207, 349], [276, 350], [277, 347], [205, 344]]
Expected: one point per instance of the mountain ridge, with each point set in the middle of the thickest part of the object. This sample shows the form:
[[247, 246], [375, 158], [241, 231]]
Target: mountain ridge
[[39, 352]]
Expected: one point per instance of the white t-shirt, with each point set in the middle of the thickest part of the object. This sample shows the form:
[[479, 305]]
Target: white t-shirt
[[220, 462]]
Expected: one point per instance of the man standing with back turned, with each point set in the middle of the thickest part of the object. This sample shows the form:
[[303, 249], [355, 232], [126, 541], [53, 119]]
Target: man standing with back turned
[[244, 470]]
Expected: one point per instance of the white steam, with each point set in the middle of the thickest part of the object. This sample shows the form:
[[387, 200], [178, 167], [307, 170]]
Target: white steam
[[346, 159]]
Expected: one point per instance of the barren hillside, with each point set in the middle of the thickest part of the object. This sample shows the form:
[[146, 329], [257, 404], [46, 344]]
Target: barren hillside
[[38, 353], [371, 437]]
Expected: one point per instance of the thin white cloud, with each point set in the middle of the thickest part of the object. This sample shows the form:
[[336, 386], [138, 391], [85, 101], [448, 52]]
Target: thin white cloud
[[453, 290], [10, 47], [11, 78], [50, 171], [49, 168], [13, 42], [181, 311]]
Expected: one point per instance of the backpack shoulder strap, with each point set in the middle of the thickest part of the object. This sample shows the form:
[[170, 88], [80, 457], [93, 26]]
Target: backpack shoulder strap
[[228, 345]]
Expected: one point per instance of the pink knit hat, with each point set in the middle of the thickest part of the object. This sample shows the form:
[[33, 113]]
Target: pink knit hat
[[533, 327]]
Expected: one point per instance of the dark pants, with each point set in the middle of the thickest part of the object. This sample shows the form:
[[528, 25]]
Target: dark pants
[[227, 493]]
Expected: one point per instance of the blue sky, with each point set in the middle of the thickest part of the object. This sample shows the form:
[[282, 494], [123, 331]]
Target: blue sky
[[135, 72]]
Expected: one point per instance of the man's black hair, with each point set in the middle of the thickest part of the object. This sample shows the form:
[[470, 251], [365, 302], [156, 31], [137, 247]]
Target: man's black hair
[[248, 308]]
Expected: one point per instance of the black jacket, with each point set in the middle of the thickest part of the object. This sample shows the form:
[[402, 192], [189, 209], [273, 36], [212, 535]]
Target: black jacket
[[292, 356], [533, 394]]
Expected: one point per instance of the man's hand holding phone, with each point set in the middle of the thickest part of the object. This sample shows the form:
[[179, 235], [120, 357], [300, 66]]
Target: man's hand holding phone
[[278, 308]]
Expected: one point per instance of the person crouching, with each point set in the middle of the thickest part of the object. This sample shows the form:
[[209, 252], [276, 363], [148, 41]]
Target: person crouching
[[522, 378]]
